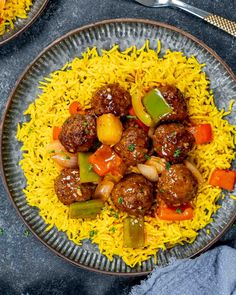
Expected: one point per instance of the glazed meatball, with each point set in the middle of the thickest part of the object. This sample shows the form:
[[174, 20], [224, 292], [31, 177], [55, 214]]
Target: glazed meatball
[[68, 188], [175, 99], [111, 98], [133, 194], [177, 185], [78, 133], [172, 141], [133, 146]]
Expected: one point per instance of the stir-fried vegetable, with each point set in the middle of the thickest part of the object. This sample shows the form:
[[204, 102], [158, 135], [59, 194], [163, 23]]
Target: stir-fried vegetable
[[103, 189], [76, 108], [202, 133], [55, 133], [87, 209], [194, 171], [156, 105], [60, 156], [105, 160], [183, 212], [109, 129], [140, 111], [133, 116], [150, 172], [87, 173], [134, 232], [223, 178]]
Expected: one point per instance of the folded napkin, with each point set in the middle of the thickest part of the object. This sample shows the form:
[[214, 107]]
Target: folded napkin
[[212, 273]]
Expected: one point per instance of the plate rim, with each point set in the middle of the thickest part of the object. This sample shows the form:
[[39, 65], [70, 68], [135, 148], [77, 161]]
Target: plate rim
[[24, 28], [24, 73]]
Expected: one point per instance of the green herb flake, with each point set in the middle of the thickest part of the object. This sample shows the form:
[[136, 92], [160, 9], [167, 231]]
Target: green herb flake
[[86, 131], [113, 229], [1, 231], [177, 153], [90, 167], [116, 215], [92, 233], [178, 210], [120, 200], [206, 211], [131, 117], [85, 124], [51, 152], [142, 190], [131, 147], [168, 165], [79, 188], [161, 190], [147, 157], [26, 233]]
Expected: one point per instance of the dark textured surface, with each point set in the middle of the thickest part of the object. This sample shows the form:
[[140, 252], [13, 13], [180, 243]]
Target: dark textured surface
[[26, 266]]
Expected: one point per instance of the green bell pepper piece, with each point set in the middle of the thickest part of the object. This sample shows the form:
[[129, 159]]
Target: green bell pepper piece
[[87, 173], [133, 232], [87, 209], [155, 105]]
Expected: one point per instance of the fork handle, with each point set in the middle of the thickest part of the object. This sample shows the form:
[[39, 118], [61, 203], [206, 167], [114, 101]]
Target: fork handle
[[218, 21], [222, 23]]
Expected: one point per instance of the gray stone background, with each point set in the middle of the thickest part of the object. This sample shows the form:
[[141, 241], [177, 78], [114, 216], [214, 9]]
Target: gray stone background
[[26, 266]]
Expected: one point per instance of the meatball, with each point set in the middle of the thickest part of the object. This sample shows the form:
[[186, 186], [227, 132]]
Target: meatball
[[78, 133], [68, 188], [111, 98], [133, 146], [177, 185], [133, 194], [175, 99], [172, 141]]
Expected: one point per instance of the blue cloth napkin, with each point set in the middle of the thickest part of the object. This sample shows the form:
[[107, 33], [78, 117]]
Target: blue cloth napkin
[[212, 273]]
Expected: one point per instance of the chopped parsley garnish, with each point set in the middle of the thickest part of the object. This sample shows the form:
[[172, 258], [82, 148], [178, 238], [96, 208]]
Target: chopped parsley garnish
[[142, 190], [120, 200], [65, 156], [52, 152], [92, 233], [147, 157], [90, 167], [86, 131], [113, 229], [168, 165], [131, 147], [116, 215], [178, 210], [1, 231], [131, 117], [177, 153], [79, 188], [161, 190], [85, 124], [26, 233], [206, 211]]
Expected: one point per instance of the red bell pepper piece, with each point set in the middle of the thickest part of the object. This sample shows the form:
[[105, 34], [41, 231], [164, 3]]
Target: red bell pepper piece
[[223, 178], [76, 108], [132, 113], [105, 160], [202, 133], [56, 132], [184, 212]]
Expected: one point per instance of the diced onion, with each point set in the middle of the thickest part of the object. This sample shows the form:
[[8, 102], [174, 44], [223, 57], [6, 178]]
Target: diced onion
[[149, 172], [103, 190], [194, 171], [158, 163]]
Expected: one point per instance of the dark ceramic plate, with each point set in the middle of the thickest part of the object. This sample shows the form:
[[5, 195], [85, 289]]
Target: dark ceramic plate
[[22, 24], [104, 35]]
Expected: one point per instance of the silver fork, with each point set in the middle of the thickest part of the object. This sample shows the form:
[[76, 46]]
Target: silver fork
[[216, 20]]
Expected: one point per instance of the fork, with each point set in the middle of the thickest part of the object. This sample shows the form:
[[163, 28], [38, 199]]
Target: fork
[[216, 20]]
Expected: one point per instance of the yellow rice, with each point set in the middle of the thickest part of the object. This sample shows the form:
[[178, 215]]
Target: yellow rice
[[134, 70], [13, 9]]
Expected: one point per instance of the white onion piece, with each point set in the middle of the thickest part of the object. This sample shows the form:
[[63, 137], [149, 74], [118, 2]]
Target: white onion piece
[[194, 171], [55, 147], [103, 190], [158, 163], [149, 172], [65, 160]]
